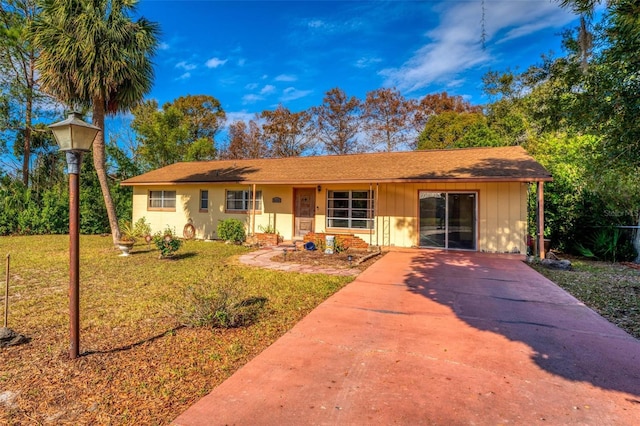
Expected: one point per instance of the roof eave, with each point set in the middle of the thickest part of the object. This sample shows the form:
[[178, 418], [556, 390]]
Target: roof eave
[[524, 179]]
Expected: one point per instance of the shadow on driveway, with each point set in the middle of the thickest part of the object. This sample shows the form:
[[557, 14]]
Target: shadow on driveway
[[431, 337], [509, 298]]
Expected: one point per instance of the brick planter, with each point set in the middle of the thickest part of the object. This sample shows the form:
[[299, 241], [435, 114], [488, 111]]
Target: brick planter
[[266, 240], [347, 240]]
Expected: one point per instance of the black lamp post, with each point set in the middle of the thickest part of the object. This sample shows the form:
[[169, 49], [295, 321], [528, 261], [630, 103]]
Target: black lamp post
[[74, 137]]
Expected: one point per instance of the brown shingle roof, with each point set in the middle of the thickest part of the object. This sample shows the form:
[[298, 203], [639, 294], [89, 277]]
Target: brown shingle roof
[[471, 164]]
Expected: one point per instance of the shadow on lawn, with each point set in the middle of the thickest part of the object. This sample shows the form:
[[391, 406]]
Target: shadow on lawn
[[181, 256], [133, 345], [509, 298], [177, 256]]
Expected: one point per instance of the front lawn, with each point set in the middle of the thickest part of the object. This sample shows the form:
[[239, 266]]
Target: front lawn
[[611, 289], [138, 365]]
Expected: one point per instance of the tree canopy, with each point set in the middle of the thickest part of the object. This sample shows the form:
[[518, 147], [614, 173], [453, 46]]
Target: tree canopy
[[289, 134], [182, 130], [93, 54], [337, 122], [387, 117], [245, 141]]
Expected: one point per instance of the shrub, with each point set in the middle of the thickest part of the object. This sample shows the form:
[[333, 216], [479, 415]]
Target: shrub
[[320, 243], [141, 228], [231, 230], [269, 229], [338, 245], [166, 242], [218, 303], [610, 244]]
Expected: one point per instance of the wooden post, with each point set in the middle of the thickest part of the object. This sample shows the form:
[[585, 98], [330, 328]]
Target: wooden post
[[540, 229], [6, 297], [253, 210], [74, 264]]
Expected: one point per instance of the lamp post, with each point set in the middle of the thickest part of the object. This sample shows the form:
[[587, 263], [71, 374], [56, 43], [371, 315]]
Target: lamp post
[[74, 137]]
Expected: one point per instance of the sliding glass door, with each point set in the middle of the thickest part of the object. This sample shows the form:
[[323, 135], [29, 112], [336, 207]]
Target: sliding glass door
[[448, 220]]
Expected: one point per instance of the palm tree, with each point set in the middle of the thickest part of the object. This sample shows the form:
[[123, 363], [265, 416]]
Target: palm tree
[[92, 54]]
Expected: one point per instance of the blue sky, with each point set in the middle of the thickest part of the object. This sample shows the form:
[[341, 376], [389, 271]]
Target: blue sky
[[255, 55]]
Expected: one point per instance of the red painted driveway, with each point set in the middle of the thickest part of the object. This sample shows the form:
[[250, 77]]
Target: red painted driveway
[[438, 338]]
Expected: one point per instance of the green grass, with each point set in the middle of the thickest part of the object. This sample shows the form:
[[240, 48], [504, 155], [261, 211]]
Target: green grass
[[611, 289], [139, 366]]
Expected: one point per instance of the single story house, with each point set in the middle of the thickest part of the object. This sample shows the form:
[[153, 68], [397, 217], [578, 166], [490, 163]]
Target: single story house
[[464, 199]]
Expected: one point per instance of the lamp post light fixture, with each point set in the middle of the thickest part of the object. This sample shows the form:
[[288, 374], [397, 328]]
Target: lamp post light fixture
[[74, 137]]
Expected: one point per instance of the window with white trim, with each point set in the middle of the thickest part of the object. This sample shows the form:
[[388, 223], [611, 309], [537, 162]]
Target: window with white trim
[[204, 200], [162, 200], [350, 209], [242, 200]]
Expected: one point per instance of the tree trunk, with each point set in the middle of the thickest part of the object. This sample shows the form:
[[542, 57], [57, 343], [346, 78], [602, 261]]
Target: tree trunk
[[99, 162], [29, 70], [27, 138], [636, 240]]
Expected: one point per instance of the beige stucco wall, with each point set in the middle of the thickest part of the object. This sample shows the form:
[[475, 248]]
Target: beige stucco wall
[[206, 222], [501, 221]]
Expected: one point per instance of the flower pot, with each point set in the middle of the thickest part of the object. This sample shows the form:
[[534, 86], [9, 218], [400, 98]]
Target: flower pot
[[125, 247]]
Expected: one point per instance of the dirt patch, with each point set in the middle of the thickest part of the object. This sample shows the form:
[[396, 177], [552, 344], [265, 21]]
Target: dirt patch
[[358, 259], [611, 289]]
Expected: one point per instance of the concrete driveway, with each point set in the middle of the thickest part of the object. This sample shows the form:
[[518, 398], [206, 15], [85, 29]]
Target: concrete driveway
[[431, 337]]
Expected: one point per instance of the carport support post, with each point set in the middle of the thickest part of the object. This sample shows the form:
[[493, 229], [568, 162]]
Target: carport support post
[[540, 229], [253, 210]]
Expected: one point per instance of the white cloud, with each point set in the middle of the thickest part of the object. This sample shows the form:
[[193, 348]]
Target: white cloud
[[286, 77], [215, 62], [242, 62], [456, 83], [251, 98], [455, 45], [251, 86], [518, 19], [186, 66], [185, 76], [291, 94], [163, 46], [316, 23], [267, 89], [241, 116], [337, 27], [366, 62]]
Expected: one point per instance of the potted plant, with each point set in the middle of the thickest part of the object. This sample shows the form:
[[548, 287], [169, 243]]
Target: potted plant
[[127, 237]]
